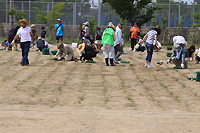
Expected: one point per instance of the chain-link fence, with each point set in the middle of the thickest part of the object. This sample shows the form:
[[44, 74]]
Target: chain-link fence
[[76, 13]]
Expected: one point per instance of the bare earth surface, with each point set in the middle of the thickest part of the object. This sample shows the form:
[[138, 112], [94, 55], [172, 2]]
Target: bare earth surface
[[70, 97]]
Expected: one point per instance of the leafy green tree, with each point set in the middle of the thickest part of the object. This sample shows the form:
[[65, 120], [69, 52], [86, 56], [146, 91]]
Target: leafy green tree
[[153, 22], [131, 10], [180, 27], [12, 13], [125, 29], [51, 17], [164, 29], [93, 26], [193, 33]]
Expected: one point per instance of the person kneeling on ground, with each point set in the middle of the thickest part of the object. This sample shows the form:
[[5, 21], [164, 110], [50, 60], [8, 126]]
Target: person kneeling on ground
[[197, 54], [179, 57], [86, 52], [140, 46], [63, 50], [40, 43], [180, 40], [191, 51]]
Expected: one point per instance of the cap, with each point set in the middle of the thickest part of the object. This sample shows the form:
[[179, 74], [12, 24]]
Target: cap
[[86, 23], [177, 47], [58, 19], [32, 25], [59, 45]]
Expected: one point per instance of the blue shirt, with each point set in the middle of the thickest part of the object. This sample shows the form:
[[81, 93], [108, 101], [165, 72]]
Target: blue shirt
[[7, 43], [59, 30]]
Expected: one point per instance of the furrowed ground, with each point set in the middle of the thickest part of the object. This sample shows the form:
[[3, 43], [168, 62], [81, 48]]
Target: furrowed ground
[[71, 97]]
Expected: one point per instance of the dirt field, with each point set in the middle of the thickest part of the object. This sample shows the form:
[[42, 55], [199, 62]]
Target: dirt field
[[68, 97]]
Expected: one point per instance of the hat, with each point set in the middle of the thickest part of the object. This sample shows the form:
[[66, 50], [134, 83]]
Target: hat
[[177, 47], [58, 19], [39, 37], [110, 23], [59, 45], [43, 27], [24, 20], [80, 47], [32, 25], [86, 23], [158, 27], [111, 26]]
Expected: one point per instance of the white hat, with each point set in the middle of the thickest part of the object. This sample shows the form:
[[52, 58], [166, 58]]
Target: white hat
[[86, 23], [110, 23], [58, 19]]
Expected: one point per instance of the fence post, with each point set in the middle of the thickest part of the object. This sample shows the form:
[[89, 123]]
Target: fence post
[[74, 18], [52, 5], [6, 11], [48, 7], [193, 11], [22, 5], [99, 14], [169, 16], [29, 20]]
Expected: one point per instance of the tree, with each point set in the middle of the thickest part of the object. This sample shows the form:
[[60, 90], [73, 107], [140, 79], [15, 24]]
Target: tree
[[12, 13], [164, 29], [153, 23], [180, 27], [193, 35], [51, 17], [93, 26], [131, 10]]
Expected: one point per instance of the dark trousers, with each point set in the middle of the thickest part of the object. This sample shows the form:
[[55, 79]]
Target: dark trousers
[[25, 49], [141, 48], [89, 55], [133, 43], [197, 58], [149, 52], [118, 51]]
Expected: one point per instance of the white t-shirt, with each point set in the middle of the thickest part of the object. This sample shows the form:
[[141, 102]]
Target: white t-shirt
[[24, 33], [179, 40], [141, 42], [159, 44]]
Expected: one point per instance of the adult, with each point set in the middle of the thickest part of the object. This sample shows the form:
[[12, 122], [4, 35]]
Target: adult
[[98, 36], [87, 29], [59, 31], [11, 35], [134, 33], [180, 40], [119, 43], [34, 34], [86, 52], [179, 57], [40, 43], [63, 50], [108, 43], [151, 36], [26, 34], [82, 32], [191, 51]]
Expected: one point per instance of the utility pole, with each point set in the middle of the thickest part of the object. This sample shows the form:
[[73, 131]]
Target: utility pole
[[10, 19], [52, 5], [29, 20], [169, 16], [74, 18], [179, 10], [99, 14]]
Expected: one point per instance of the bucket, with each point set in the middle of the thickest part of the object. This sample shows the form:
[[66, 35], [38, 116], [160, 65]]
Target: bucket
[[45, 51], [198, 76]]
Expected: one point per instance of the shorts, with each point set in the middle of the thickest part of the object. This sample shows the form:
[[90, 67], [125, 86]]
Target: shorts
[[59, 37], [98, 42]]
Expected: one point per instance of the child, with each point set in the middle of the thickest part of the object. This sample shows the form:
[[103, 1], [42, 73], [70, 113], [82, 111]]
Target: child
[[140, 46], [197, 53], [98, 35], [151, 36], [157, 47], [43, 33]]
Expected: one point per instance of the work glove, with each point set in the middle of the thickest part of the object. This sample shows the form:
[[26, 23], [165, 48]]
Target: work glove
[[80, 61], [54, 57], [182, 65], [59, 58]]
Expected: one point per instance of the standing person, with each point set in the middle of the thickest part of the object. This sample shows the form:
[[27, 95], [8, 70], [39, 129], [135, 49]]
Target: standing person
[[59, 31], [98, 35], [82, 32], [11, 35], [134, 33], [34, 34], [108, 43], [63, 50], [119, 43], [179, 57], [26, 34], [87, 30], [43, 34], [151, 36]]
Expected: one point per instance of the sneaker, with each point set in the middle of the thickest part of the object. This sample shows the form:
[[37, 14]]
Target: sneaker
[[149, 66], [113, 65], [107, 64], [16, 50], [146, 65], [115, 61]]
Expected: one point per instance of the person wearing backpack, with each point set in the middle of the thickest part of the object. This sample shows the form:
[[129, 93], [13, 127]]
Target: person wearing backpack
[[59, 31]]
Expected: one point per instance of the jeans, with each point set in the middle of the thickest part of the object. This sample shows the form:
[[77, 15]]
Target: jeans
[[149, 52], [25, 49]]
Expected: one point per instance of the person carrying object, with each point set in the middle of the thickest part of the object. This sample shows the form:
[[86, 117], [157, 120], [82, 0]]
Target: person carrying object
[[63, 50], [86, 52], [59, 31], [119, 43], [179, 57], [108, 43], [151, 36]]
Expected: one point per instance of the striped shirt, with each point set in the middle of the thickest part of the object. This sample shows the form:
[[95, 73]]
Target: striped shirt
[[150, 38]]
